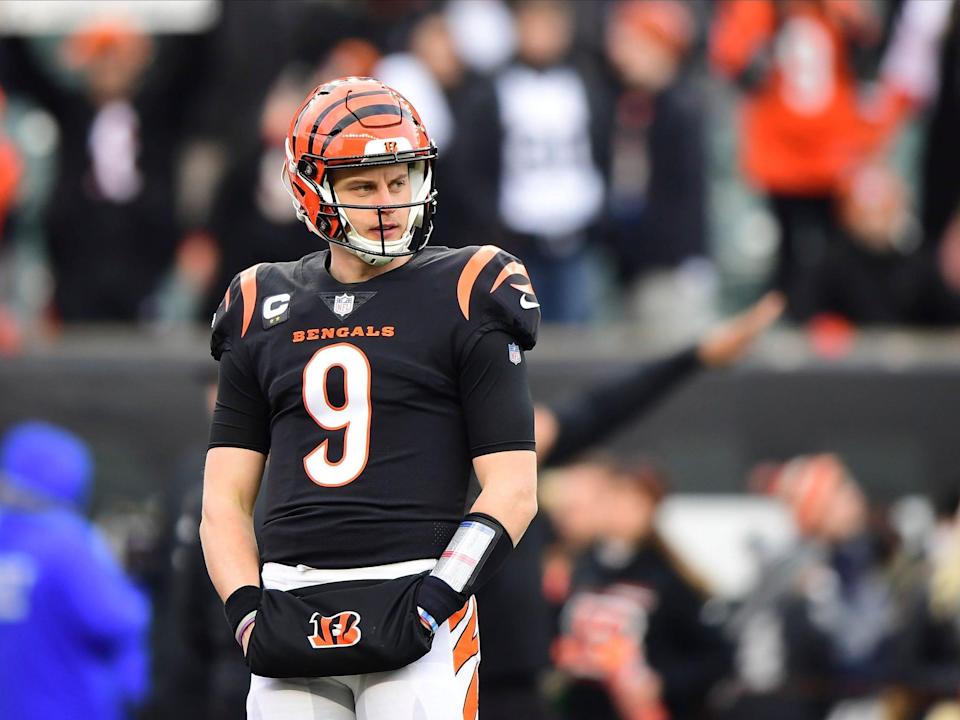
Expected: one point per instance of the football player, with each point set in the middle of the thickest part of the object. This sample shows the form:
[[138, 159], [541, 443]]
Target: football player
[[374, 373]]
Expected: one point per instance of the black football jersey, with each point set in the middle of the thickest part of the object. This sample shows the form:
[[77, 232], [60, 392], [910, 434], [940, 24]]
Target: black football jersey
[[371, 398]]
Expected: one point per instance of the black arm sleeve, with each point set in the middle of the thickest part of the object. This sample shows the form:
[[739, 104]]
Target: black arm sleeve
[[606, 407], [495, 396], [241, 417]]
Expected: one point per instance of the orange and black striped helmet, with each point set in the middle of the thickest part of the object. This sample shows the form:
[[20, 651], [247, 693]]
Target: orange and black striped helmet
[[359, 122]]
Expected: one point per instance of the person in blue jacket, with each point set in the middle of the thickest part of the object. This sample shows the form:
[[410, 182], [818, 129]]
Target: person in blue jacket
[[72, 625]]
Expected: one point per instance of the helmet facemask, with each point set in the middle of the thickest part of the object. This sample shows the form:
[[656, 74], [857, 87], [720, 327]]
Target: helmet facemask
[[331, 222]]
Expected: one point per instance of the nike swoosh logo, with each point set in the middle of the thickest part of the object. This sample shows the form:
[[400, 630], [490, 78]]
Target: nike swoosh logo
[[528, 304]]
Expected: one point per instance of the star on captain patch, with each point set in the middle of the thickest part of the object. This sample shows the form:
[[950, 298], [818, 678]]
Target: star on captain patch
[[513, 352]]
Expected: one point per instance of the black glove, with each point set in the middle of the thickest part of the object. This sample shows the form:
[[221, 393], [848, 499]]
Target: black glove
[[437, 601]]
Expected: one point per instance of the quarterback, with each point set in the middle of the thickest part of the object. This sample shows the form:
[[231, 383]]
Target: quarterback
[[374, 375]]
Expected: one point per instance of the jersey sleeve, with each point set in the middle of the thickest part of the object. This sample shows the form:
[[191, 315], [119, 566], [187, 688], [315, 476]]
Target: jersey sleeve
[[495, 396], [232, 319], [241, 417], [495, 292], [226, 320]]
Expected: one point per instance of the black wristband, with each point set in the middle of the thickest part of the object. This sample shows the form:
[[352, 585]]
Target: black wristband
[[242, 601], [497, 553]]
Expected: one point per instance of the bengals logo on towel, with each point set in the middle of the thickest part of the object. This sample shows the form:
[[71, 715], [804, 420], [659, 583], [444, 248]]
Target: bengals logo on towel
[[340, 630]]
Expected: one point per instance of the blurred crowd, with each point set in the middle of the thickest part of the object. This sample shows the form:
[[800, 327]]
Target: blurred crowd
[[828, 606], [854, 613], [139, 169]]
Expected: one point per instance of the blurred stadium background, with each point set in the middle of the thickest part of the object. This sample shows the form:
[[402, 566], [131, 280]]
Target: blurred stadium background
[[657, 165]]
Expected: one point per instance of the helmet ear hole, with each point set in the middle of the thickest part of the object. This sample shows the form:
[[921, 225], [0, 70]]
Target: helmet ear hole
[[307, 168]]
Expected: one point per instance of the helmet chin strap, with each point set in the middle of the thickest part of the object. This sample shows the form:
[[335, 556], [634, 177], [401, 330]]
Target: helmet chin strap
[[372, 260]]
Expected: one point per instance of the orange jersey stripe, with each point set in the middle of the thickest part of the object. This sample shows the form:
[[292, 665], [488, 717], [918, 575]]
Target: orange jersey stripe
[[458, 615], [468, 644], [248, 291], [514, 268], [472, 702], [226, 300], [468, 276]]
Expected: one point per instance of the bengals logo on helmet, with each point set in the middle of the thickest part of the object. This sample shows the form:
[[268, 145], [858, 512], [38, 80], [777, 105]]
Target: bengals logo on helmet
[[340, 630]]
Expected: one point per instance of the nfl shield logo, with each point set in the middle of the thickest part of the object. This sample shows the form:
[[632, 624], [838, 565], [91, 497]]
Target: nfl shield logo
[[343, 304], [513, 351]]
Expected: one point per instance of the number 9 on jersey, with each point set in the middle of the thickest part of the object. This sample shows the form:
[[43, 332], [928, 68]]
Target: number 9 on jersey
[[353, 416]]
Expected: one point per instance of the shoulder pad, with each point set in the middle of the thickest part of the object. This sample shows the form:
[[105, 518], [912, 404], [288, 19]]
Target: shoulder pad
[[494, 289], [232, 318]]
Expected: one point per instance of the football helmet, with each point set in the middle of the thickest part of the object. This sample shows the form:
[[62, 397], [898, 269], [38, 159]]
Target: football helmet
[[359, 122]]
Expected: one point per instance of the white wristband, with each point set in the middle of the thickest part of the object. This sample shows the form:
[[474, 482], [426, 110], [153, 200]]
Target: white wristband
[[247, 621]]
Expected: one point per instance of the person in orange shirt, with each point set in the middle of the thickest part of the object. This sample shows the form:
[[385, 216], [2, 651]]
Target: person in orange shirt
[[803, 128], [10, 169]]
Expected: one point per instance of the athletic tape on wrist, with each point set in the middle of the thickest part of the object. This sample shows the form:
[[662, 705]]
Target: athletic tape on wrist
[[461, 562]]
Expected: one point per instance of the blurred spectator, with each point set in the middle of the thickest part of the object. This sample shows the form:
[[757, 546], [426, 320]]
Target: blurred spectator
[[484, 33], [885, 271], [110, 224], [284, 34], [802, 126], [886, 267], [211, 680], [896, 269], [206, 678], [825, 614], [927, 653], [10, 170], [552, 112], [252, 220], [947, 279], [933, 29], [72, 626], [423, 71], [537, 577], [939, 27], [657, 197], [634, 638], [456, 102], [875, 275]]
